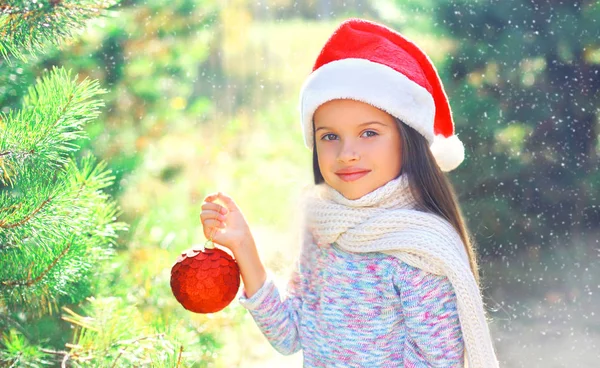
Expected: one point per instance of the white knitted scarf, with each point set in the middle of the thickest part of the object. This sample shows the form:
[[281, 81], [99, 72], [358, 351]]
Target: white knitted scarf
[[387, 220]]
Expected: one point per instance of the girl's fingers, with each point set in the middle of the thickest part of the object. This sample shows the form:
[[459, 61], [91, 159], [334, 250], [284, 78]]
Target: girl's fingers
[[229, 202], [213, 223], [210, 214], [211, 197], [209, 204], [211, 227]]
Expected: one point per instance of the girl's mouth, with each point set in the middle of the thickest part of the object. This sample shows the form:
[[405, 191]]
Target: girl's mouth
[[353, 176]]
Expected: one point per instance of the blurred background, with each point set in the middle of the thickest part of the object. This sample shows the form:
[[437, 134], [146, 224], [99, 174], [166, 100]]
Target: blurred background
[[202, 97]]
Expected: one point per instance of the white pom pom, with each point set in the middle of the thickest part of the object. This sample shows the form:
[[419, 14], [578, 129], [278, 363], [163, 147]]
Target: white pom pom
[[448, 152]]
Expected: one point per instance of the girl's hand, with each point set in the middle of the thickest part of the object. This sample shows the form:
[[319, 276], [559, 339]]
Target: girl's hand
[[226, 224]]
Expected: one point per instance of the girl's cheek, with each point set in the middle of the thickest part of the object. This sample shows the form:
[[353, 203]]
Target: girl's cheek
[[326, 154]]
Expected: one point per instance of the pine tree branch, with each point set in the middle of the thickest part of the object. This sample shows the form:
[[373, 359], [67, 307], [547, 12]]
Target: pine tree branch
[[77, 319], [12, 208], [27, 27], [43, 132], [80, 211], [65, 355], [113, 330], [30, 281], [131, 342], [30, 216], [4, 225]]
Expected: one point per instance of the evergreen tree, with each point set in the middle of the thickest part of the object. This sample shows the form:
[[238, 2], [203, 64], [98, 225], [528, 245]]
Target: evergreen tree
[[56, 223], [523, 78], [540, 62]]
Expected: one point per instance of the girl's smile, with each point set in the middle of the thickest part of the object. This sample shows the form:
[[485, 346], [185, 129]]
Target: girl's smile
[[351, 174], [358, 146]]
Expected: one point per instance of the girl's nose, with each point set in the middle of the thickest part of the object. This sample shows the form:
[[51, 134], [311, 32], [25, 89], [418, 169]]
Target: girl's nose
[[348, 152]]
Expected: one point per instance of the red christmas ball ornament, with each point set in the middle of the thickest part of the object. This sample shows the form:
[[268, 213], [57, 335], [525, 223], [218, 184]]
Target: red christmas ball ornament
[[205, 279]]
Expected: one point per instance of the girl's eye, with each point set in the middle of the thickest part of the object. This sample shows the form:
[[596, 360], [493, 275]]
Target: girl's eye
[[371, 131], [326, 135], [331, 134]]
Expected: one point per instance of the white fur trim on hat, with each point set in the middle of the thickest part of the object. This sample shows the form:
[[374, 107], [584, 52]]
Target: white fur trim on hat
[[448, 152], [369, 82]]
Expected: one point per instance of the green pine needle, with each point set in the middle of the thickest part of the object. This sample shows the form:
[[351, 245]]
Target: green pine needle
[[56, 223], [17, 350], [32, 26], [49, 258], [52, 118]]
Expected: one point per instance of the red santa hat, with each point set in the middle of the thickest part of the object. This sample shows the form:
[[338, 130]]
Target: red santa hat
[[372, 63]]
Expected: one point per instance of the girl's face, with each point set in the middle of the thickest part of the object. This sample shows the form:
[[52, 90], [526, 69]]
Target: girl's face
[[356, 136]]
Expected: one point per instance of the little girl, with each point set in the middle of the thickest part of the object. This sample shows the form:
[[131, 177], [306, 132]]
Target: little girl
[[387, 275]]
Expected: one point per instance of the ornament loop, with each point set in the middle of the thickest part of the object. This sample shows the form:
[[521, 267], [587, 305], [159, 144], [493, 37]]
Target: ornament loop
[[209, 242]]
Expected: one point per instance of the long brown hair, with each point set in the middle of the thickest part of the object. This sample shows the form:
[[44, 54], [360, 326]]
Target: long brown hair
[[429, 185]]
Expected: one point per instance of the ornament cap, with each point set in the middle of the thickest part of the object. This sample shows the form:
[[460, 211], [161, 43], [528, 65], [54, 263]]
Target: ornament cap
[[209, 244]]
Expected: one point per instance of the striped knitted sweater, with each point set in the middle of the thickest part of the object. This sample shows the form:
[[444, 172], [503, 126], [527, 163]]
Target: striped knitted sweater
[[345, 309]]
